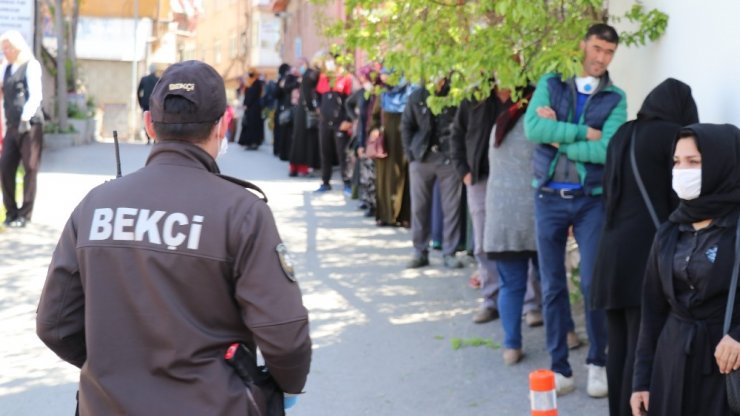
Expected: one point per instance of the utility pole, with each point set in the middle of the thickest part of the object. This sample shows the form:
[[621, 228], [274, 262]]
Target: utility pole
[[134, 76]]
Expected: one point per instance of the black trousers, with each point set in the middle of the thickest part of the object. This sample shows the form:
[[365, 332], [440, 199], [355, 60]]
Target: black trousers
[[17, 148], [333, 144], [623, 326]]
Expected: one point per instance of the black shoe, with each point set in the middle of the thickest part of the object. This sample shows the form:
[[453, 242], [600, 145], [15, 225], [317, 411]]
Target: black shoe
[[370, 212], [293, 174], [417, 261], [19, 222], [362, 206]]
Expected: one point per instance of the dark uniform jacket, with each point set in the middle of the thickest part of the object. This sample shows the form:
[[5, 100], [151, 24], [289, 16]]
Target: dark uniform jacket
[[422, 131], [155, 274], [682, 319]]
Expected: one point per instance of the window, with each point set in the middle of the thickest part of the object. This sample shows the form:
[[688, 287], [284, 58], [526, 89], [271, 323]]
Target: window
[[233, 46]]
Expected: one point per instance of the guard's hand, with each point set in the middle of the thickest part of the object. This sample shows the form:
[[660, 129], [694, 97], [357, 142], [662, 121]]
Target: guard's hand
[[24, 127], [727, 354], [639, 402], [547, 112]]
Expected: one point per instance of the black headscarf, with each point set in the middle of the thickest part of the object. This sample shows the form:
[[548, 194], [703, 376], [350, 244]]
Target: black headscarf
[[671, 101], [719, 145]]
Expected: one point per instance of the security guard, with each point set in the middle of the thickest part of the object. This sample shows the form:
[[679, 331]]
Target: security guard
[[158, 272]]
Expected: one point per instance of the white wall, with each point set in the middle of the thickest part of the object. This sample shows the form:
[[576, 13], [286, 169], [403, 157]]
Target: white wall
[[700, 47]]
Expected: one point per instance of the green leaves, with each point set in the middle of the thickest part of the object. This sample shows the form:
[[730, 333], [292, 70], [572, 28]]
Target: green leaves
[[516, 40]]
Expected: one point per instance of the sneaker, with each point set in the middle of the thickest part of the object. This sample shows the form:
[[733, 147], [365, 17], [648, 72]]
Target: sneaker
[[596, 386], [19, 222], [573, 341], [325, 187], [512, 356], [435, 245], [564, 385], [370, 212], [485, 315], [533, 319], [348, 190], [451, 262], [417, 261]]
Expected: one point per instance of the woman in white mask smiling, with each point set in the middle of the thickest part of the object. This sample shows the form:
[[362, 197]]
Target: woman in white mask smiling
[[683, 352]]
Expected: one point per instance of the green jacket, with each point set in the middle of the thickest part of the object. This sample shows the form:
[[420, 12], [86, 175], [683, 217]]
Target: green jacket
[[605, 110]]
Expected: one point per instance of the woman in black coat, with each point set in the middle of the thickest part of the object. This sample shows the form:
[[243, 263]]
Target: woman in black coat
[[253, 126], [305, 147], [629, 229], [284, 131], [682, 352]]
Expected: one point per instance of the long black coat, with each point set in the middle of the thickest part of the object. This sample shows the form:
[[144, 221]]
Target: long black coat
[[305, 146], [675, 352], [284, 134], [629, 230], [253, 126]]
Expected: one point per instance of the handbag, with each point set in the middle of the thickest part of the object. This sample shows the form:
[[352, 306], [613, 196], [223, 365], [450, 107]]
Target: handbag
[[375, 147], [285, 117], [732, 380], [312, 119]]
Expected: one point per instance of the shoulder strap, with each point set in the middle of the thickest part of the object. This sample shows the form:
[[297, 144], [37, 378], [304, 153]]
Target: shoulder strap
[[638, 179], [733, 281], [245, 184]]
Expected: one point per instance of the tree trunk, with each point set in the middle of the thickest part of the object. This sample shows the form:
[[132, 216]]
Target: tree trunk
[[61, 65], [72, 46]]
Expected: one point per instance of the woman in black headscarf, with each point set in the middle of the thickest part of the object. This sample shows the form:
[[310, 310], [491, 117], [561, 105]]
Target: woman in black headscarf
[[629, 229], [682, 352]]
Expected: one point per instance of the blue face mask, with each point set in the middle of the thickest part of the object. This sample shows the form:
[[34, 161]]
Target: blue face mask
[[302, 69]]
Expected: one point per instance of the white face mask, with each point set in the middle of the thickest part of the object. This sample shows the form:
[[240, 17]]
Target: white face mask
[[587, 85], [222, 147], [687, 183]]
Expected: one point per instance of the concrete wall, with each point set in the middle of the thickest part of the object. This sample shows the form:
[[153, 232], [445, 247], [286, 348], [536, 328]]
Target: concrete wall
[[700, 47], [109, 82], [302, 21]]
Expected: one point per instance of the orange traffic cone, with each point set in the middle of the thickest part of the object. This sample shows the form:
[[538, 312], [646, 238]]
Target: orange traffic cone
[[542, 397]]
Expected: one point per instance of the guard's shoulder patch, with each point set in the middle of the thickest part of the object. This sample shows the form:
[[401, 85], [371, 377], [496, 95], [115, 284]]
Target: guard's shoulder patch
[[286, 261]]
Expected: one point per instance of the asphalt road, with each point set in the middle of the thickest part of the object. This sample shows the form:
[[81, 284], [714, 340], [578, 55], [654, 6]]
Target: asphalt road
[[382, 334]]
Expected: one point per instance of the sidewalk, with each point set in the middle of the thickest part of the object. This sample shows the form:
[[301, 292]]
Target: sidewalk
[[382, 334]]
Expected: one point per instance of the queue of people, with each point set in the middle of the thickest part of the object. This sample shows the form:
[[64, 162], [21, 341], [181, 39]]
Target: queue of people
[[653, 204], [561, 163]]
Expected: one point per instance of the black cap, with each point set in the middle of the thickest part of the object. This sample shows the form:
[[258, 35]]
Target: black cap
[[198, 83]]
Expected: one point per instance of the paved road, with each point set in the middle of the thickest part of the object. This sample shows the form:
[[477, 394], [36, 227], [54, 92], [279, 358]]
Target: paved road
[[382, 334]]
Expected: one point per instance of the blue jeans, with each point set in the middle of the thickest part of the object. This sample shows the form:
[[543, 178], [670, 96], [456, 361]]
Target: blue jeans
[[513, 275], [553, 215]]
